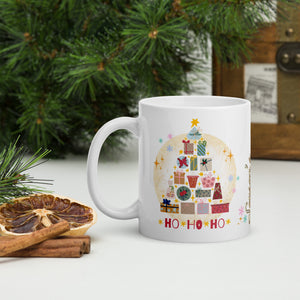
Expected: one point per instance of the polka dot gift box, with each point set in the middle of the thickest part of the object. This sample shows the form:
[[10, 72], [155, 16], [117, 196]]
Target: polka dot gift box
[[208, 181]]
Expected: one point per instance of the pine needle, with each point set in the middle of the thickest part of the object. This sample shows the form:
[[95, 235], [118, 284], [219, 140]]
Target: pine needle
[[13, 181]]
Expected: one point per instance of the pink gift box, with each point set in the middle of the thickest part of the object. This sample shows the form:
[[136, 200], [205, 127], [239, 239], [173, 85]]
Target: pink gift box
[[208, 181]]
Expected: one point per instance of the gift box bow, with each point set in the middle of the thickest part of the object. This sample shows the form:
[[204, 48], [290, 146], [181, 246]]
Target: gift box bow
[[166, 201], [202, 143], [179, 172], [209, 175], [205, 161], [201, 200], [208, 179], [186, 142]]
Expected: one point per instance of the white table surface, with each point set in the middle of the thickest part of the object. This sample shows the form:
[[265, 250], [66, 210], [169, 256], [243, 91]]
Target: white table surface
[[125, 265]]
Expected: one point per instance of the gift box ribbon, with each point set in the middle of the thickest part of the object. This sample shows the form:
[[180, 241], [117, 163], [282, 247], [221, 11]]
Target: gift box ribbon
[[182, 162]]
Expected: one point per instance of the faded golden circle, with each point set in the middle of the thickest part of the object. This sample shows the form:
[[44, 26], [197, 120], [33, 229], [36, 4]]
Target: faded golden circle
[[223, 167]]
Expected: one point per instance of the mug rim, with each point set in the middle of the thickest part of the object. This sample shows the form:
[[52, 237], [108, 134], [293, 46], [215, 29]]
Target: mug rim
[[194, 102]]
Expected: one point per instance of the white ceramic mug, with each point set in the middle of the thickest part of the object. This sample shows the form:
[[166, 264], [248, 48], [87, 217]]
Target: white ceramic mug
[[194, 167]]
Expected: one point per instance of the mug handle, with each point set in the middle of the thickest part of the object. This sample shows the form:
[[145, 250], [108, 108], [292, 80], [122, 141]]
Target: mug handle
[[130, 124]]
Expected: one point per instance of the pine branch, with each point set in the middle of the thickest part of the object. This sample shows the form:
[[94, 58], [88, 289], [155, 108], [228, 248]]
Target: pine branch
[[69, 66], [13, 181], [150, 31]]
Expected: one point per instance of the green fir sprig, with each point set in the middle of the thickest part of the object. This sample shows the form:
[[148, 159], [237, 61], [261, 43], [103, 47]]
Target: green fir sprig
[[69, 66], [13, 163]]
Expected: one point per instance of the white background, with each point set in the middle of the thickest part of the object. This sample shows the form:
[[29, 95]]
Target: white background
[[125, 265]]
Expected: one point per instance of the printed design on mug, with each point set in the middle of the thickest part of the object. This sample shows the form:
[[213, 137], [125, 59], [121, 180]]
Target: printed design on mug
[[195, 180]]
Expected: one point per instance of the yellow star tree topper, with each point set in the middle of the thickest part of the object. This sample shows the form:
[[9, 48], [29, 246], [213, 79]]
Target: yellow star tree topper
[[194, 122]]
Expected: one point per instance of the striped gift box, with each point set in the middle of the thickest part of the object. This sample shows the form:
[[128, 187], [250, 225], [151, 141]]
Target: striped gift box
[[194, 163], [201, 148]]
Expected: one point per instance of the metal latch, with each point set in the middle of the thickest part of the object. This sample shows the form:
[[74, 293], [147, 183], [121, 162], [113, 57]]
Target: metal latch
[[288, 57]]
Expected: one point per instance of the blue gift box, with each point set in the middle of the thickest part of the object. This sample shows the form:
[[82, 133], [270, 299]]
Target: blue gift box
[[202, 208]]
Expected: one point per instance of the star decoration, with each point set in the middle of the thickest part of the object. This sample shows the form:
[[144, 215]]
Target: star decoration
[[221, 201], [228, 221], [218, 178], [174, 167], [209, 200], [162, 158], [202, 139], [176, 201], [180, 152], [224, 151], [160, 140], [160, 221], [194, 122], [201, 173], [206, 223], [207, 153], [195, 142], [186, 183], [163, 196], [170, 136], [193, 197], [169, 148], [156, 163], [183, 223], [214, 171], [176, 186], [241, 210], [230, 155], [171, 176]]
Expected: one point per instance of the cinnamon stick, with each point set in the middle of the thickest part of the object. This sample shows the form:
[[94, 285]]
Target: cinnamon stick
[[61, 241], [64, 252], [86, 238], [24, 241]]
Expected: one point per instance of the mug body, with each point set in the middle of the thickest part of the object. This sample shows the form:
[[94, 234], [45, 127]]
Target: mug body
[[194, 161]]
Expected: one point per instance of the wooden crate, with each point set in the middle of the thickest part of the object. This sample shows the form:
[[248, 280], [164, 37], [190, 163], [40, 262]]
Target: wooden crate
[[280, 140]]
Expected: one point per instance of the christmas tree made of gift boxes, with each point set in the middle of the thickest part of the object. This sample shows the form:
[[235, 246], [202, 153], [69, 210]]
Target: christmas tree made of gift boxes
[[194, 189]]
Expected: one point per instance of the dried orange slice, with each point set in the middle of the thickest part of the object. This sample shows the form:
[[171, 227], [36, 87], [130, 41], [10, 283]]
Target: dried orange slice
[[34, 212]]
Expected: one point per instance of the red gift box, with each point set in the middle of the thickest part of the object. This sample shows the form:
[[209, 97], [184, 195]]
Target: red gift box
[[188, 147], [192, 180], [220, 208]]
